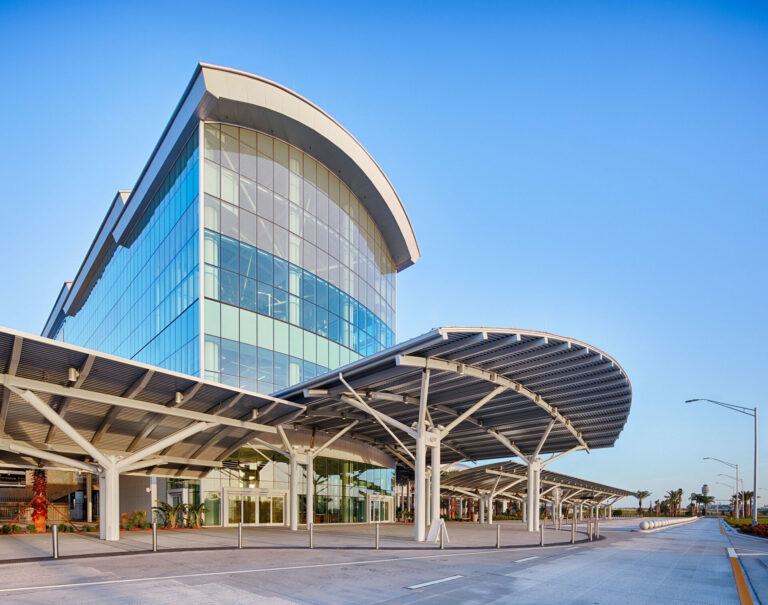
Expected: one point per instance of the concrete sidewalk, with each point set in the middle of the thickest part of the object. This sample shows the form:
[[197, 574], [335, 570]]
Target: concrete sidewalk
[[20, 547], [684, 564]]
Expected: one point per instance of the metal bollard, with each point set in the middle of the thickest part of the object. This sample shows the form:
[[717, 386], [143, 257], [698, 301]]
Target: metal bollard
[[498, 536], [597, 528], [589, 529], [442, 537], [154, 536], [541, 535], [55, 538], [311, 535], [573, 530], [240, 535], [377, 536]]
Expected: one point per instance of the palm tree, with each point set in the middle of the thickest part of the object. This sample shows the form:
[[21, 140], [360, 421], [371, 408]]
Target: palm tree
[[746, 498], [706, 500], [694, 498], [195, 514], [169, 514], [671, 499], [641, 495], [679, 493]]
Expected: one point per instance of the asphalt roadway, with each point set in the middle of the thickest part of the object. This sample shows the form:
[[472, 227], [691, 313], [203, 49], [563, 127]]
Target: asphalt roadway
[[684, 564]]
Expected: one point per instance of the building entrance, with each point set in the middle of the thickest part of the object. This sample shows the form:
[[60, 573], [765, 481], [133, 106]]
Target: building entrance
[[254, 507], [379, 509]]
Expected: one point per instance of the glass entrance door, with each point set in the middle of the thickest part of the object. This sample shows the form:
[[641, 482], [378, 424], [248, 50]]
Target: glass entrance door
[[254, 508], [241, 508], [379, 509]]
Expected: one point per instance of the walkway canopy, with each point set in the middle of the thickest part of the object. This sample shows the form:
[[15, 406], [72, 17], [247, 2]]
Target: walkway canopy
[[77, 408], [508, 480], [68, 407], [496, 391], [472, 394]]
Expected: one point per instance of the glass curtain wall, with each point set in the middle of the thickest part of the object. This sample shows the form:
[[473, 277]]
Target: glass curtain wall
[[341, 486], [297, 278], [144, 305]]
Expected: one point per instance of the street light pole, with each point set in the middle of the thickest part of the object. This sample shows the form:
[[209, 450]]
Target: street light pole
[[732, 465], [747, 412], [738, 502]]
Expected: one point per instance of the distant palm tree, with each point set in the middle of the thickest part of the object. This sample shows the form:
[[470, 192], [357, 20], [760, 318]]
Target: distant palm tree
[[671, 500], [706, 500], [679, 493], [694, 498], [746, 498], [641, 495]]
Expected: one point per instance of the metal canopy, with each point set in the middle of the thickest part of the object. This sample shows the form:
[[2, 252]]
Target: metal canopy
[[507, 479], [72, 407], [494, 391]]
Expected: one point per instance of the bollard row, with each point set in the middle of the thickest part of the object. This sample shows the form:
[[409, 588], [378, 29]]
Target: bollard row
[[645, 525]]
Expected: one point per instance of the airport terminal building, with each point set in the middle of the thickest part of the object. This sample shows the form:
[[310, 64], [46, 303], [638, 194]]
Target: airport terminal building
[[243, 295]]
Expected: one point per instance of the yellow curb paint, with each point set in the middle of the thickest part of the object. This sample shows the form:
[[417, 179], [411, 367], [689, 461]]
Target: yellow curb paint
[[738, 575], [721, 526]]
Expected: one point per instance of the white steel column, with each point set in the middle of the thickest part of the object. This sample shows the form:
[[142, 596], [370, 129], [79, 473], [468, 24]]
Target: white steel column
[[536, 495], [490, 509], [420, 470], [525, 512], [420, 508], [109, 504], [482, 509], [310, 489], [89, 498], [436, 481], [294, 493], [428, 505], [530, 498]]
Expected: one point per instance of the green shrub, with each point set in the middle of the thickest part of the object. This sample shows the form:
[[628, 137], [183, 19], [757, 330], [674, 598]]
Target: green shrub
[[136, 518], [87, 528], [30, 529]]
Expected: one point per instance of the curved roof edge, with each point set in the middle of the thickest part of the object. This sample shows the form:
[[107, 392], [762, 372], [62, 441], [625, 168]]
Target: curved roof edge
[[227, 95], [251, 101]]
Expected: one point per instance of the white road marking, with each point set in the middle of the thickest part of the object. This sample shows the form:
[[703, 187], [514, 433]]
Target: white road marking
[[492, 551], [526, 559], [423, 584], [570, 547], [732, 553]]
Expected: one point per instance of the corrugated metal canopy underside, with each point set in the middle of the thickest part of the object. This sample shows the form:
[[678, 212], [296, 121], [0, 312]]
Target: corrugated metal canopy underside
[[586, 386], [116, 430], [487, 478]]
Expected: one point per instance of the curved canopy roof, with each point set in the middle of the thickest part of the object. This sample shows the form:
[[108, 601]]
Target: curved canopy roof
[[497, 391], [507, 479], [169, 423]]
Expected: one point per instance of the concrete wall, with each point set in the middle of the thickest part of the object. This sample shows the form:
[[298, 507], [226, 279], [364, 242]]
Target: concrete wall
[[134, 495]]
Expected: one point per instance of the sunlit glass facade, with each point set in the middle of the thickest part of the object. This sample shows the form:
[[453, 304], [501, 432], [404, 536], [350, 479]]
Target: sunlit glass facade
[[145, 304], [297, 278]]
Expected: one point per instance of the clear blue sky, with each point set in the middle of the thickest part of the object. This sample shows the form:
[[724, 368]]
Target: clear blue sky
[[593, 169]]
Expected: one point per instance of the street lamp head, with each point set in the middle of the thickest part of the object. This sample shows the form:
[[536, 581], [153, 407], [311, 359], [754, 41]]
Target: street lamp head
[[691, 400]]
